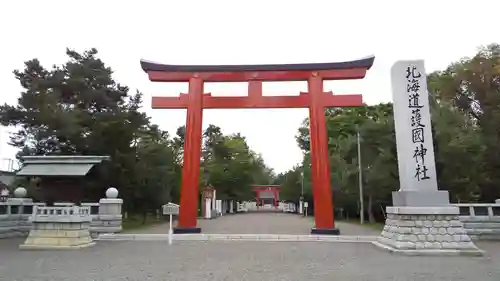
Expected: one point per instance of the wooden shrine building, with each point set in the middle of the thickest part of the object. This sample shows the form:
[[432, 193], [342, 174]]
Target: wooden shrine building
[[60, 178]]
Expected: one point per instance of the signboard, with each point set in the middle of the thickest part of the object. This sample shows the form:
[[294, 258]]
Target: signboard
[[306, 204], [170, 209]]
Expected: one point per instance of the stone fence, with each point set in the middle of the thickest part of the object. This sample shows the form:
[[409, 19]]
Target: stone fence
[[223, 207], [246, 206], [481, 221], [16, 216]]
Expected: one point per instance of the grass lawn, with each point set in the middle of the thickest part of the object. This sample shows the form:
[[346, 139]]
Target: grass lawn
[[136, 222]]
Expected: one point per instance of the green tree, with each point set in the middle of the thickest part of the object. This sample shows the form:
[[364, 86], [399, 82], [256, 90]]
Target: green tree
[[291, 184], [471, 86], [230, 166], [456, 138], [77, 108]]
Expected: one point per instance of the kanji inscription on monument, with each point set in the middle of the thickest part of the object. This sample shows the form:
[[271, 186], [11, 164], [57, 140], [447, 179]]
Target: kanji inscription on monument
[[412, 119]]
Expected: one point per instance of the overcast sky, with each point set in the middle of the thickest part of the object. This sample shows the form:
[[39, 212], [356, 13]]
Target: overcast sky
[[242, 32]]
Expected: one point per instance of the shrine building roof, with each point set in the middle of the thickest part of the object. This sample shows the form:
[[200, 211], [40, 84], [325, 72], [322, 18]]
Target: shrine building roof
[[58, 165]]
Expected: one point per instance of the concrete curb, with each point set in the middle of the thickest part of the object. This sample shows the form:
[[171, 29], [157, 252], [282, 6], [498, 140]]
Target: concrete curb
[[431, 252], [238, 237], [55, 247]]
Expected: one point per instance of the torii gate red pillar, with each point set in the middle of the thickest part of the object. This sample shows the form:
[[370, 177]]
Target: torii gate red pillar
[[320, 158], [315, 99]]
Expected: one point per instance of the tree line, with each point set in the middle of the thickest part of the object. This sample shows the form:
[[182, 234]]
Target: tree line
[[77, 108], [465, 109]]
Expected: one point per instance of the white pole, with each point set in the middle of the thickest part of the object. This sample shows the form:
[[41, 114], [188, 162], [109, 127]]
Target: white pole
[[208, 208], [302, 182], [170, 231], [360, 177], [301, 203]]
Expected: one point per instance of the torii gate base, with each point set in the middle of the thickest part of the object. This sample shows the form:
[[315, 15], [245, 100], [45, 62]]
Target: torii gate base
[[315, 99]]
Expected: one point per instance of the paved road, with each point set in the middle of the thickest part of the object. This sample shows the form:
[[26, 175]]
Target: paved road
[[263, 223], [241, 261]]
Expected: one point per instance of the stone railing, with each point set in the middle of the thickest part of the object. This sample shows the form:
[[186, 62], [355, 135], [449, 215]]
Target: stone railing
[[17, 215], [104, 221], [252, 206], [287, 207], [242, 207], [61, 213], [223, 207], [481, 221]]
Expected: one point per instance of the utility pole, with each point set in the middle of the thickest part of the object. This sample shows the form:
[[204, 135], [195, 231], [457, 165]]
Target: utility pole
[[301, 202], [302, 182], [360, 178]]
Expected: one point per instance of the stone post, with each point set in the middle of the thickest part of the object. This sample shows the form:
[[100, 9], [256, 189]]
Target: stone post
[[208, 210], [110, 212], [422, 221], [213, 208], [225, 207], [218, 207], [208, 196], [15, 214], [25, 210], [214, 200]]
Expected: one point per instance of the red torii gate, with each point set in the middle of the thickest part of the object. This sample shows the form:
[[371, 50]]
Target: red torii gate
[[315, 99], [275, 189]]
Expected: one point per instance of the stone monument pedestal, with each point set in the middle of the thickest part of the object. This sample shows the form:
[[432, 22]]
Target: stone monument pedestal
[[426, 230], [432, 198], [59, 228]]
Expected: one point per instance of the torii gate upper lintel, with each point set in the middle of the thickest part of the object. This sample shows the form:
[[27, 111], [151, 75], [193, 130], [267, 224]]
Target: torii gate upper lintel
[[315, 99]]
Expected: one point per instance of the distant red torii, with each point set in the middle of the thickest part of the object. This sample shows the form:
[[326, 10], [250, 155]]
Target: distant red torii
[[315, 99], [275, 189]]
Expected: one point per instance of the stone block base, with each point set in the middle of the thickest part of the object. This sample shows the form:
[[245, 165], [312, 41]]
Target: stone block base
[[426, 231], [46, 239], [186, 230], [106, 224], [325, 231], [55, 247]]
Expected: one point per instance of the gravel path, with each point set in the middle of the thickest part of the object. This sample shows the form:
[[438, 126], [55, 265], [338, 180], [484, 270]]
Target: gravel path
[[263, 223], [239, 261]]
